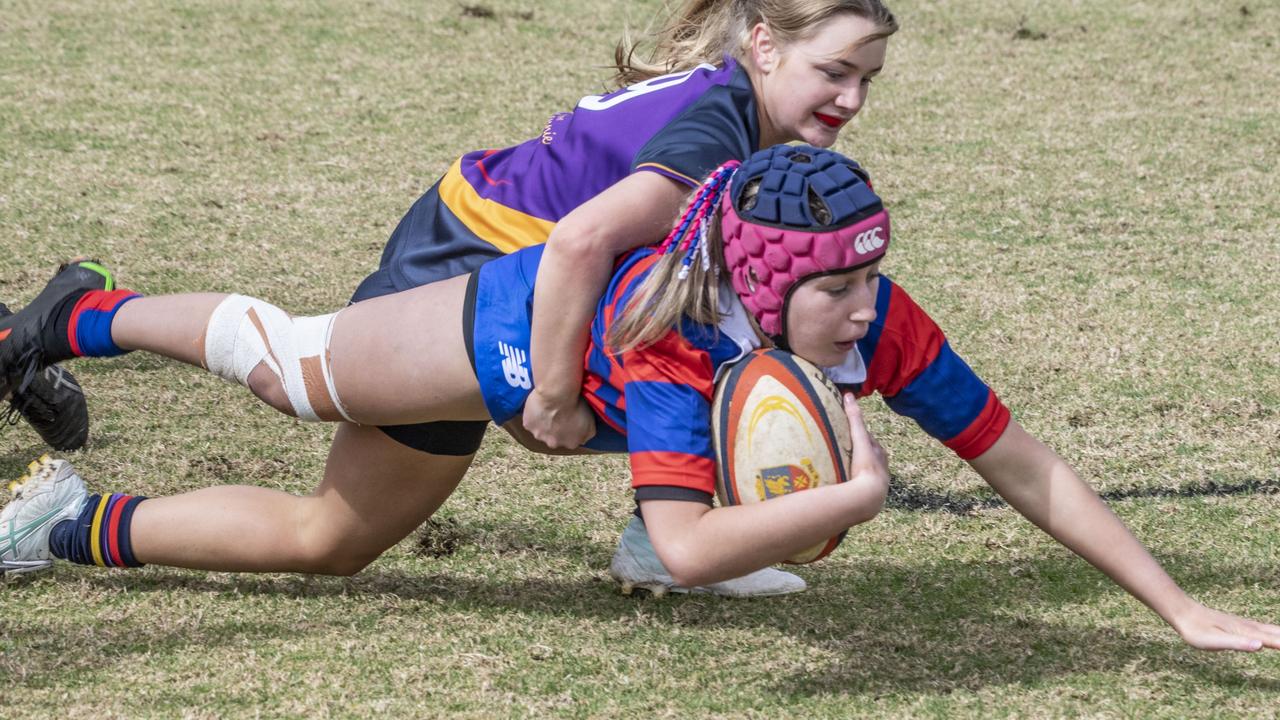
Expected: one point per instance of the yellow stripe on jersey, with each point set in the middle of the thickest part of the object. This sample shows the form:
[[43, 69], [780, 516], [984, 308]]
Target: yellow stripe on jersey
[[692, 181], [95, 532], [500, 226]]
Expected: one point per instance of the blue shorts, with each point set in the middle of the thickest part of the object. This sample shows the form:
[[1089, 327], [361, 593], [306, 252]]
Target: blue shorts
[[500, 299], [502, 315]]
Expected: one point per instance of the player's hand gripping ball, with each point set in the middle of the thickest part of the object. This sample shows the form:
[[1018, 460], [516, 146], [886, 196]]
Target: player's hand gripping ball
[[779, 427]]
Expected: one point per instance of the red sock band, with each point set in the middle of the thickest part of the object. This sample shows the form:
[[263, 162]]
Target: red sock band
[[89, 330]]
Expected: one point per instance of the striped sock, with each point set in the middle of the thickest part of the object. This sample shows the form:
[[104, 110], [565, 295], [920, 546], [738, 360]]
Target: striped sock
[[100, 535], [89, 324], [81, 325]]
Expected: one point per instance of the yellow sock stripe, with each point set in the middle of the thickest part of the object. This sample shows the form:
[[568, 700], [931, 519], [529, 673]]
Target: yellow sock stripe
[[95, 531]]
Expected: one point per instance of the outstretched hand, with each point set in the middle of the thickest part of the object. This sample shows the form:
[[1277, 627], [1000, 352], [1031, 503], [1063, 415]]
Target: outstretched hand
[[1208, 629], [558, 425], [869, 462]]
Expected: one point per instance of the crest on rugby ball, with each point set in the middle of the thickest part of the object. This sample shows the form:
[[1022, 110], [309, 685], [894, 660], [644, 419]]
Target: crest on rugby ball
[[773, 482]]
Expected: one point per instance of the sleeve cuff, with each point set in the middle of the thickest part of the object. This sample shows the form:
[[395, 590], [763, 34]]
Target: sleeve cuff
[[672, 492]]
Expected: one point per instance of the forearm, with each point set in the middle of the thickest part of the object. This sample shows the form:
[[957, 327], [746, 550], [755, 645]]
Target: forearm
[[571, 279], [576, 266], [1044, 489], [698, 545]]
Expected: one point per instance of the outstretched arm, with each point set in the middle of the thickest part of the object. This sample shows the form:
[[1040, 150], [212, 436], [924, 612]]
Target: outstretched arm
[[1041, 486], [575, 268]]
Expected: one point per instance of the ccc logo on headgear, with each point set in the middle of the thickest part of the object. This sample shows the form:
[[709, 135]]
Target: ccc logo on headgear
[[869, 241]]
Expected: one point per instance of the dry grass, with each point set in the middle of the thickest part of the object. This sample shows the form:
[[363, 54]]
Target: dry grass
[[1084, 197]]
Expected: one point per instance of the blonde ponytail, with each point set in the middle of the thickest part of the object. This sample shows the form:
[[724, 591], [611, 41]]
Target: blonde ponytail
[[685, 280], [663, 300], [703, 31]]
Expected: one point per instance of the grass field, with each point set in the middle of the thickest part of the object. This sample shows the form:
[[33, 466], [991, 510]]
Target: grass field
[[1084, 196]]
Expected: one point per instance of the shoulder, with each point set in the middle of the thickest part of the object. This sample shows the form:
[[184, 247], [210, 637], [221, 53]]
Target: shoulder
[[901, 343], [720, 124]]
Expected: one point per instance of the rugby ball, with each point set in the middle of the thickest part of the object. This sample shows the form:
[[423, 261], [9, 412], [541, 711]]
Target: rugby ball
[[778, 426]]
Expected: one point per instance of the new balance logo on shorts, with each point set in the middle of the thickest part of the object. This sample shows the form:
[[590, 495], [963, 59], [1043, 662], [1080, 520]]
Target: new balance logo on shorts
[[513, 368]]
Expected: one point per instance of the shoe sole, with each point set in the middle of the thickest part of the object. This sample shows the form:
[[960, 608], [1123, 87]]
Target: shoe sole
[[656, 590], [23, 567], [659, 590]]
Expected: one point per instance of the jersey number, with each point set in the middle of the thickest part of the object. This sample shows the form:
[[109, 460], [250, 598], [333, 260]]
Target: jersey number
[[604, 102]]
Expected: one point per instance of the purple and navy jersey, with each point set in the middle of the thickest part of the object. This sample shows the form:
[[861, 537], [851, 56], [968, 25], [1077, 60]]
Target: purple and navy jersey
[[494, 202], [655, 402]]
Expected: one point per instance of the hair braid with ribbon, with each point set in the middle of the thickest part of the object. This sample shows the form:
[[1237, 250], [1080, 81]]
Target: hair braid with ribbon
[[690, 233]]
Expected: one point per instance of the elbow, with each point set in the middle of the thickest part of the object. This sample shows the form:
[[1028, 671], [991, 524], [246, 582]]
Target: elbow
[[582, 241], [682, 567], [685, 568], [873, 508], [870, 495], [690, 576]]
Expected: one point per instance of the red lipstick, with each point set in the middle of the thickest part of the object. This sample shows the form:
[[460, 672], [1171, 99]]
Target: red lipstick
[[829, 120]]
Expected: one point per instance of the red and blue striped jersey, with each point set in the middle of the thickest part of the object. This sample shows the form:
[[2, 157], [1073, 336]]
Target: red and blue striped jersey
[[660, 396], [911, 365]]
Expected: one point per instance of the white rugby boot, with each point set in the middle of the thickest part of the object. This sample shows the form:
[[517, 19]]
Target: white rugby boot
[[49, 493], [636, 565]]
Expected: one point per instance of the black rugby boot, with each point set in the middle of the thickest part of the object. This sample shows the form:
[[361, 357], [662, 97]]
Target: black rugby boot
[[37, 336], [53, 404]]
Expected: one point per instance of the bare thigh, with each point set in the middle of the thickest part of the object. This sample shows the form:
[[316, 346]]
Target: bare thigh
[[402, 358], [376, 491]]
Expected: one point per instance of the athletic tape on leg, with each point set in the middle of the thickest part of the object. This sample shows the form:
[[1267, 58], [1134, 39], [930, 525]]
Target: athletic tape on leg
[[244, 332]]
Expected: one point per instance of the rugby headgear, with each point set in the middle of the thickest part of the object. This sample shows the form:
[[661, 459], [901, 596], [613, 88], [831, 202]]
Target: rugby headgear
[[791, 213]]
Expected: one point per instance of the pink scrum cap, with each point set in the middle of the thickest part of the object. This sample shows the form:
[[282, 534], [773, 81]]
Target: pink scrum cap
[[811, 212]]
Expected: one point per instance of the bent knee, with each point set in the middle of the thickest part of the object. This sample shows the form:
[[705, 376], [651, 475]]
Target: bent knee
[[333, 559], [324, 545], [266, 385], [343, 566], [284, 360]]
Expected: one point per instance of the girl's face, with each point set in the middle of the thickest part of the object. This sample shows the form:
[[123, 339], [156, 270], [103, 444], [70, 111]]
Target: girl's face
[[809, 89], [826, 315]]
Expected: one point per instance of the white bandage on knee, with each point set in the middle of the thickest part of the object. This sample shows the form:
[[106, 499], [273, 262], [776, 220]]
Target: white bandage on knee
[[244, 332]]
